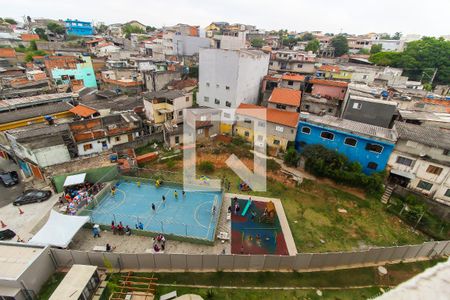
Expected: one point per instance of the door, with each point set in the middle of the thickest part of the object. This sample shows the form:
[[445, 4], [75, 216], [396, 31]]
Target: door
[[206, 132], [36, 172], [130, 137]]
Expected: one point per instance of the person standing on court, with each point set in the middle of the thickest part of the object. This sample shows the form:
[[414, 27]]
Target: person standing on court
[[153, 207]]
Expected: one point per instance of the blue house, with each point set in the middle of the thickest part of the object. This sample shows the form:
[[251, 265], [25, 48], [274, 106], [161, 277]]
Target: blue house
[[367, 144], [81, 28]]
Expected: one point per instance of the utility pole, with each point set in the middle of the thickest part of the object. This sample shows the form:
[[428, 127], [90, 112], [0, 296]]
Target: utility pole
[[434, 75]]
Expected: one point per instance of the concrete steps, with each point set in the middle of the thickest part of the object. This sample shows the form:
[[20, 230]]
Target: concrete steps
[[387, 193]]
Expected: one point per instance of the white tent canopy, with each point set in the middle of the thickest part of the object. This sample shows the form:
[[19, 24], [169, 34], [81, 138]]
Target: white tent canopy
[[74, 179], [59, 230]]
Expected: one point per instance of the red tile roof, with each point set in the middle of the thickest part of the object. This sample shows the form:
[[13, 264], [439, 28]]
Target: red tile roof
[[286, 118], [26, 37], [329, 82], [330, 68], [83, 111], [7, 52], [286, 96], [293, 77]]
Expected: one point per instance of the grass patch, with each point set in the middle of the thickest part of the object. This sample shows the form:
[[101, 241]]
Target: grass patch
[[50, 286], [241, 294]]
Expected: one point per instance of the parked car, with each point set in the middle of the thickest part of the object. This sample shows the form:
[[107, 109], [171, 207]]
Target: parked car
[[9, 178], [31, 196], [7, 234]]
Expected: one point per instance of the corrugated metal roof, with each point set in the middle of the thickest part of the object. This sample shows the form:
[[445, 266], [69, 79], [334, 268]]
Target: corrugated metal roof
[[426, 135], [9, 104], [354, 127]]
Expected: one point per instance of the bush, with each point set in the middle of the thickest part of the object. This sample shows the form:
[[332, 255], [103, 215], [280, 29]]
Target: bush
[[291, 157], [323, 162], [272, 165], [206, 167]]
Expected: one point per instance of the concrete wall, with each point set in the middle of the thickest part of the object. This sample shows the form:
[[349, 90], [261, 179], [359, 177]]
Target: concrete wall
[[230, 76], [52, 155], [370, 112], [189, 45], [157, 81], [233, 262]]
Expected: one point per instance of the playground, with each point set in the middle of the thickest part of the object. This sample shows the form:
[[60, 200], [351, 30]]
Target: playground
[[255, 227], [160, 208]]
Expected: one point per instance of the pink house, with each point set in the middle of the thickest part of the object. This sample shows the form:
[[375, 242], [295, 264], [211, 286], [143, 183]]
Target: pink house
[[329, 88]]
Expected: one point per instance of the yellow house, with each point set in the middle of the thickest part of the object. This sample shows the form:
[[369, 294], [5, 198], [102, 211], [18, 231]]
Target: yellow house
[[334, 72], [280, 126]]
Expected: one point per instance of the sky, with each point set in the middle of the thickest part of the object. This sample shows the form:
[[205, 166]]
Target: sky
[[351, 16]]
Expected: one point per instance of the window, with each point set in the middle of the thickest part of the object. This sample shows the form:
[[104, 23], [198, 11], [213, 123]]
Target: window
[[117, 138], [290, 82], [372, 165], [180, 113], [404, 161], [276, 142], [271, 64], [446, 152], [327, 135], [246, 133], [330, 110], [199, 131], [447, 193], [217, 101], [207, 84], [87, 147], [279, 128], [248, 121], [177, 139], [228, 103], [206, 99], [434, 170], [350, 141], [307, 107], [281, 106], [364, 76], [306, 130], [374, 148], [217, 85], [202, 118], [227, 87], [300, 65], [357, 105], [187, 99], [424, 185]]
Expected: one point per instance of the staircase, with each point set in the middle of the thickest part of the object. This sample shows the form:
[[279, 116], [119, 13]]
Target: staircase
[[387, 193]]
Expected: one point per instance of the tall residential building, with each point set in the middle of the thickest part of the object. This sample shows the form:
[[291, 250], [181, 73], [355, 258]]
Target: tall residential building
[[230, 77]]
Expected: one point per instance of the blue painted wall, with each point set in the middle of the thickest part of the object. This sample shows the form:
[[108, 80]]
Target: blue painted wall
[[354, 153], [76, 27], [84, 71]]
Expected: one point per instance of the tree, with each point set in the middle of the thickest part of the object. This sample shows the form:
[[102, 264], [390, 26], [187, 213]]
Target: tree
[[420, 60], [257, 43], [340, 45], [376, 48], [363, 51], [313, 45], [41, 33], [150, 28], [56, 28], [289, 42], [10, 21], [291, 157], [396, 36], [33, 46], [102, 28], [307, 37], [128, 29]]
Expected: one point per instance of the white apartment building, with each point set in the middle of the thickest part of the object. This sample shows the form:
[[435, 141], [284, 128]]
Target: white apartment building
[[228, 78], [421, 161]]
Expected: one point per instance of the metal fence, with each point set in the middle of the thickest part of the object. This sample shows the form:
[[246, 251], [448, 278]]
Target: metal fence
[[232, 262]]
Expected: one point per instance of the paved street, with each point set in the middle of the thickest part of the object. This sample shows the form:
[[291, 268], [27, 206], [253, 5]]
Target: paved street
[[8, 194]]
